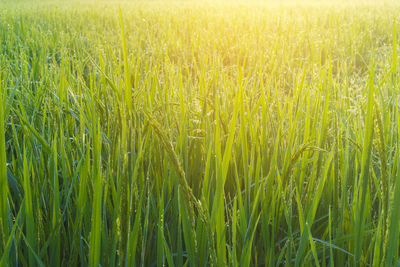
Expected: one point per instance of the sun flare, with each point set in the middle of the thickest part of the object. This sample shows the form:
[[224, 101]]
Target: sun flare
[[199, 133]]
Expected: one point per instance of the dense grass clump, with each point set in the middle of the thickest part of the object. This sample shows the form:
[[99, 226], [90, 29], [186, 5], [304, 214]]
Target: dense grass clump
[[198, 134]]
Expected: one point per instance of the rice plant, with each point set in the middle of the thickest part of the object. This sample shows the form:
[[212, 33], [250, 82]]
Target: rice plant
[[194, 133]]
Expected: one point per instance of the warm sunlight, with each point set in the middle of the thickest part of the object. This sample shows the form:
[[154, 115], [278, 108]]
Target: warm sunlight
[[199, 133]]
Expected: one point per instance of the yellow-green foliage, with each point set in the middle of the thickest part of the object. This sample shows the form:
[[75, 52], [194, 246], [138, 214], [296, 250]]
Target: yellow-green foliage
[[186, 133]]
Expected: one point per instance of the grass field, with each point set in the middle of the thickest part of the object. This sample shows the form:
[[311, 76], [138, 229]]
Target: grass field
[[199, 134]]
